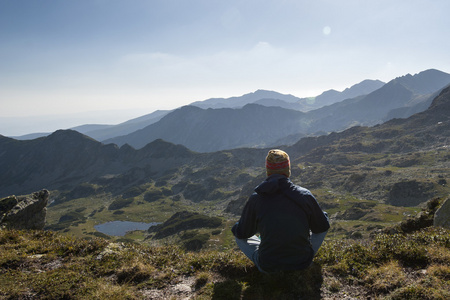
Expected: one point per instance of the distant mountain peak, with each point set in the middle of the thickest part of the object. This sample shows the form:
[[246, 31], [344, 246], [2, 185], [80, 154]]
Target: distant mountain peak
[[67, 134], [163, 149], [363, 88], [425, 82], [237, 102]]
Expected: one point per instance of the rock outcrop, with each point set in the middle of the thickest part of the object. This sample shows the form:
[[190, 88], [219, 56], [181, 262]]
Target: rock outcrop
[[182, 221], [24, 212], [410, 193], [442, 215]]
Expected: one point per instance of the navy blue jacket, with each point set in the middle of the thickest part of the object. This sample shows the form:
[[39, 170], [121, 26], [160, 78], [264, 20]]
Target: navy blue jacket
[[283, 214]]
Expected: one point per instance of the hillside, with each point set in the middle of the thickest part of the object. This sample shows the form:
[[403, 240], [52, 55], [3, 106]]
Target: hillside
[[67, 158], [218, 129], [415, 265], [403, 95], [127, 127], [399, 162]]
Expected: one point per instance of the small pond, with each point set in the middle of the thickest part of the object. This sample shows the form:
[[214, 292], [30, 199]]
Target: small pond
[[120, 228]]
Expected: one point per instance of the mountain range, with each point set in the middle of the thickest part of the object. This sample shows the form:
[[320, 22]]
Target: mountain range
[[256, 125], [270, 98], [267, 118], [263, 97], [66, 159]]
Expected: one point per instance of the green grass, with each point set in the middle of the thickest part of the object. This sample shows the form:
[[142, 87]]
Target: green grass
[[53, 266]]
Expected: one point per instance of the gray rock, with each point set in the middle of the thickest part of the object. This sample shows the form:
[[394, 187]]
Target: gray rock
[[410, 193], [442, 215], [353, 213], [24, 212]]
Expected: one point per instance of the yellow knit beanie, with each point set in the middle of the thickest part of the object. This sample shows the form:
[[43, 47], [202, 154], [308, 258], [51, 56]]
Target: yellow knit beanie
[[277, 162]]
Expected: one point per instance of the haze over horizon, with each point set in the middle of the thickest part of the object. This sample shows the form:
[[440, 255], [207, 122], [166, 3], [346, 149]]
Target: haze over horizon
[[68, 63]]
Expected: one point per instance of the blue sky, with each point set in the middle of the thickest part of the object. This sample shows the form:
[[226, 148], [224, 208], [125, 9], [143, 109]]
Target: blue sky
[[64, 62]]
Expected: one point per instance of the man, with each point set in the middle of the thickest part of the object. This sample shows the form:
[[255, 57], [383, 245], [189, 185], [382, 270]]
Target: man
[[285, 215]]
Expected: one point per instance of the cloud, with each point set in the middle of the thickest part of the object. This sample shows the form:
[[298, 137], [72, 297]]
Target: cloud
[[261, 66], [181, 69]]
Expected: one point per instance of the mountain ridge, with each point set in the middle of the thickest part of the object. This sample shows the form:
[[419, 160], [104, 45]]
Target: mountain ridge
[[102, 132], [194, 127], [209, 130], [363, 88]]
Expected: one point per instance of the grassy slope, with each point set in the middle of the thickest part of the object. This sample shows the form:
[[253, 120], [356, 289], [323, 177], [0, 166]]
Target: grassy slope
[[53, 266]]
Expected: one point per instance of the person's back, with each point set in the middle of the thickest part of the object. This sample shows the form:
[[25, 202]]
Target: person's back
[[283, 214]]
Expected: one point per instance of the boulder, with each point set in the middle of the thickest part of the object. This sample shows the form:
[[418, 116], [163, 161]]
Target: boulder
[[442, 215], [24, 212], [410, 193], [353, 213]]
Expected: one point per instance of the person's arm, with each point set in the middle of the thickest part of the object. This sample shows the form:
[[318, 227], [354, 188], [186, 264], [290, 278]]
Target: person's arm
[[247, 225], [318, 219]]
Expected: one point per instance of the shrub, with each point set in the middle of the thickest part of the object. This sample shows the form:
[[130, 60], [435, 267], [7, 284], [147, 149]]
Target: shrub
[[346, 258], [153, 195], [134, 272], [81, 191], [120, 203], [411, 292], [184, 221], [440, 271], [195, 192], [385, 278], [195, 242], [216, 232], [133, 191], [201, 279], [71, 217]]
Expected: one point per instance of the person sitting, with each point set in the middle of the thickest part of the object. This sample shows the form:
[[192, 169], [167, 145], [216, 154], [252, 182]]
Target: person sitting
[[291, 224]]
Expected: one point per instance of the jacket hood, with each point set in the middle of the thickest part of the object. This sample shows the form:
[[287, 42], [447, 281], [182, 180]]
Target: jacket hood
[[273, 184]]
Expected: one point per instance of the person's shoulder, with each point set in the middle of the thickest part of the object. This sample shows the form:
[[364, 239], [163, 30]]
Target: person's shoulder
[[304, 190], [254, 197], [301, 190]]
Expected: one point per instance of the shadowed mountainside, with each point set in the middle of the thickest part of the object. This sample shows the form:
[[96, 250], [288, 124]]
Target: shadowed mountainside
[[216, 129], [208, 130]]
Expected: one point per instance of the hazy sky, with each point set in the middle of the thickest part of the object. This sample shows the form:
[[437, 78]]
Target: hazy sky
[[128, 58]]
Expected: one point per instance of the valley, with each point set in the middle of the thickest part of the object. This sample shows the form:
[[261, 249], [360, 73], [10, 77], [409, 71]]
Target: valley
[[366, 178], [361, 199]]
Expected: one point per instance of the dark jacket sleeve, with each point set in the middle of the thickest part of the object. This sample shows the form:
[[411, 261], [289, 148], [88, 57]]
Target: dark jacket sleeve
[[318, 219], [247, 225]]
